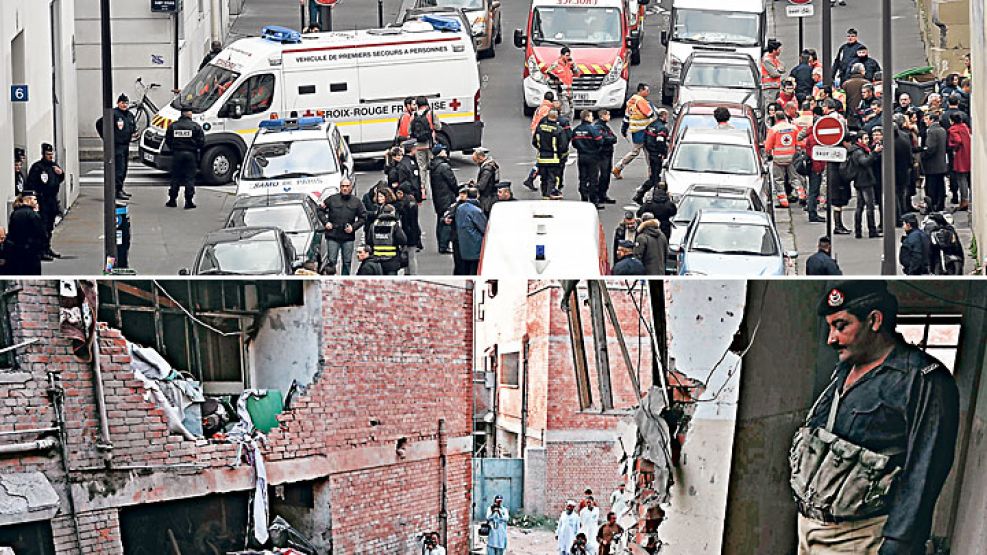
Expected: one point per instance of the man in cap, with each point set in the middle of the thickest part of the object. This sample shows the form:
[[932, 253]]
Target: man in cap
[[471, 225], [504, 191], [487, 178], [892, 405], [567, 528], [124, 127], [916, 246], [497, 517], [627, 264], [409, 174], [449, 218], [27, 239], [822, 263], [185, 139], [45, 179], [444, 190]]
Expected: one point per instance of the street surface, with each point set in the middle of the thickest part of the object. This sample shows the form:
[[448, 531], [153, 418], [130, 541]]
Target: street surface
[[166, 240]]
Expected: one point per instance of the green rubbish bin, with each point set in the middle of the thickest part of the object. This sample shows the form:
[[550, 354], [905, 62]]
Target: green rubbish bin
[[915, 72], [264, 410]]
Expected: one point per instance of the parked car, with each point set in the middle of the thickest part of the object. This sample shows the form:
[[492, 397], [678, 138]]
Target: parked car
[[716, 156], [699, 115], [482, 17], [721, 77], [296, 214], [708, 197], [245, 251], [732, 243]]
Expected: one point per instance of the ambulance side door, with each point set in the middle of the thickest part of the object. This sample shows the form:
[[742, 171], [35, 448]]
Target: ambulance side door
[[331, 92]]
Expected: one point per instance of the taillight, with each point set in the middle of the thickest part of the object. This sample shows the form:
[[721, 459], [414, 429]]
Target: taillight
[[476, 106]]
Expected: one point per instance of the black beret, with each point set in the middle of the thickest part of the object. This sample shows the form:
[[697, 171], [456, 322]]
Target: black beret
[[845, 295], [624, 243]]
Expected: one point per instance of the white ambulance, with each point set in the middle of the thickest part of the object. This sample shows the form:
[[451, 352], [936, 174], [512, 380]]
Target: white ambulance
[[356, 79]]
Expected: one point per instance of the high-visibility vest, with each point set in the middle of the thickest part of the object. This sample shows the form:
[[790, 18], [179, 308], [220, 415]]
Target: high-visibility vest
[[404, 125], [547, 142], [564, 71], [639, 114], [767, 81], [383, 234], [782, 142], [540, 113]]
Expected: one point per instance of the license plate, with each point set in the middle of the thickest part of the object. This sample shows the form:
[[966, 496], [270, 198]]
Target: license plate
[[148, 156], [580, 97]]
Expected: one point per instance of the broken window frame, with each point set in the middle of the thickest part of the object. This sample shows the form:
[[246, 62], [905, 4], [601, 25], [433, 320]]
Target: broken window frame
[[8, 359], [927, 320], [503, 377]]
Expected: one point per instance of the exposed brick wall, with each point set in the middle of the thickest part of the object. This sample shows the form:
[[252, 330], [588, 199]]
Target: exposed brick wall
[[577, 466], [397, 359], [99, 531]]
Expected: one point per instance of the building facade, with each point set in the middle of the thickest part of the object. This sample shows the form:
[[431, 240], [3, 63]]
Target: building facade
[[355, 463], [38, 50]]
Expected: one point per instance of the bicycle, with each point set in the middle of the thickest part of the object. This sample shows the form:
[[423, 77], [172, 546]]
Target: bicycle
[[144, 110]]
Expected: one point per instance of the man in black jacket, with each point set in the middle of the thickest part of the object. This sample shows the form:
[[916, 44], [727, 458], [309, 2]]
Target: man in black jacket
[[902, 169], [124, 128], [662, 208], [186, 140], [214, 51], [487, 178], [408, 173], [822, 263], [26, 240], [342, 214], [588, 141], [369, 265], [846, 55], [45, 179], [862, 161], [606, 154], [802, 73], [916, 248], [444, 191]]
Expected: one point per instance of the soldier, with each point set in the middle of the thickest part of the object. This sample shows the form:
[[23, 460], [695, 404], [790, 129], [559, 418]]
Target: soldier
[[895, 409], [124, 128], [185, 139], [45, 178]]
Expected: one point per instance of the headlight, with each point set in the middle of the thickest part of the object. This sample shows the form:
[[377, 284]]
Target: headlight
[[615, 72], [535, 72], [674, 67], [479, 26]]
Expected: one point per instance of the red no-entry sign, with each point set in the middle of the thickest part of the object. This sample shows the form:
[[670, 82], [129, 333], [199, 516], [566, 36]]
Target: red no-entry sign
[[829, 130], [326, 2], [799, 2]]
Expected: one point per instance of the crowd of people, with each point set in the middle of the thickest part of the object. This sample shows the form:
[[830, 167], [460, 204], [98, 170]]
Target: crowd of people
[[931, 140], [26, 242]]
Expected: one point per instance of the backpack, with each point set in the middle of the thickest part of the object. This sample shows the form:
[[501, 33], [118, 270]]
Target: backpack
[[421, 129], [802, 164], [848, 169]]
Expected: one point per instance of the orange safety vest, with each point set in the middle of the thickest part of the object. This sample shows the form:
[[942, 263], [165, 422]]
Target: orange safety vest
[[639, 113], [767, 81], [540, 113], [404, 125], [782, 142], [565, 72]]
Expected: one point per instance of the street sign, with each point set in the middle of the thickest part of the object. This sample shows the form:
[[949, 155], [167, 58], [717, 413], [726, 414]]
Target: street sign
[[829, 131], [164, 6], [18, 93], [829, 154], [804, 10]]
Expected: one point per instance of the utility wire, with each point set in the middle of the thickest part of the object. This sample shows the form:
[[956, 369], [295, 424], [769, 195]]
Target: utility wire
[[196, 319]]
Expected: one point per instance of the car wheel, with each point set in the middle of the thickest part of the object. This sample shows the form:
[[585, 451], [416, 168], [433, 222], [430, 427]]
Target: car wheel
[[667, 96], [218, 165], [528, 110]]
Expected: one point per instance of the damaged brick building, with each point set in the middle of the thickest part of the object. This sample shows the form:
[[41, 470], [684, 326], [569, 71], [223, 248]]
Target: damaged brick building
[[364, 457]]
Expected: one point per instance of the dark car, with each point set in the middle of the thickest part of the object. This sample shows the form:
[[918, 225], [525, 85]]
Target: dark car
[[245, 251], [294, 213]]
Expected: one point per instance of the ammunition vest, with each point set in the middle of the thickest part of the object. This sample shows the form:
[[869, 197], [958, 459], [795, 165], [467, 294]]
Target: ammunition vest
[[834, 480]]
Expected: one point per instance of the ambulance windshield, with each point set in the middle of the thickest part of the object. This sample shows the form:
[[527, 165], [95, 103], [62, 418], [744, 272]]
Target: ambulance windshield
[[290, 160], [576, 26], [716, 27], [203, 91]]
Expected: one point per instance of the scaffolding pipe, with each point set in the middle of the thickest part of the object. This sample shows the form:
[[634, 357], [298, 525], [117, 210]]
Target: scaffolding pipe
[[105, 444], [28, 446], [443, 498], [56, 394], [30, 431]]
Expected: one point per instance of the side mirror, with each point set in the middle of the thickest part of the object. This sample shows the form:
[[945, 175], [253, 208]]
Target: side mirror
[[642, 2], [664, 38], [520, 40], [233, 109], [184, 272]]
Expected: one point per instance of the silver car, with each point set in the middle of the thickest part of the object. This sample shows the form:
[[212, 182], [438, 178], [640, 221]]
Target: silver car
[[720, 77], [732, 243], [717, 156]]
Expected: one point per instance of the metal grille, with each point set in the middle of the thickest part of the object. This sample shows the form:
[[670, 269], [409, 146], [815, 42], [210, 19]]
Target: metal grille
[[152, 140], [587, 82]]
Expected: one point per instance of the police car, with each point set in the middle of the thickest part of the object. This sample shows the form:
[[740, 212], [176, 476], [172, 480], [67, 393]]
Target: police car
[[306, 155]]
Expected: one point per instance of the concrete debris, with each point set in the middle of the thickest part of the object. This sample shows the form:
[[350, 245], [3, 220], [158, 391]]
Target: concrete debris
[[25, 497]]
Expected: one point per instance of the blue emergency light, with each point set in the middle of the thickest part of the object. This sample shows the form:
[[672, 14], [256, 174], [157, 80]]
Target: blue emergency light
[[539, 252], [311, 122], [282, 35]]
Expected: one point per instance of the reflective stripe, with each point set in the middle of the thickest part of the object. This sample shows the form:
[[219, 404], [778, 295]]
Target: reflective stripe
[[385, 251], [637, 120]]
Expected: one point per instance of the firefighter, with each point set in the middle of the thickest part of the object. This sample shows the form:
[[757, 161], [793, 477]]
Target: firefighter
[[185, 139], [781, 145], [547, 103], [550, 142]]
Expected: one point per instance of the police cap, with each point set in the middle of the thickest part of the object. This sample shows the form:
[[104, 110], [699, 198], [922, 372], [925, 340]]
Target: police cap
[[858, 294], [625, 244], [28, 193], [504, 185], [46, 147], [123, 98]]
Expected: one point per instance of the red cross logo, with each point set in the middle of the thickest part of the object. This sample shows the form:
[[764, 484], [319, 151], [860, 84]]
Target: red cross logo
[[455, 104]]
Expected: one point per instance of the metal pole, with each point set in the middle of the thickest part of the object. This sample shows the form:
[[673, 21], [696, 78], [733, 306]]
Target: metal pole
[[325, 18], [889, 261], [301, 7], [380, 13], [801, 35], [827, 60], [174, 53], [109, 169]]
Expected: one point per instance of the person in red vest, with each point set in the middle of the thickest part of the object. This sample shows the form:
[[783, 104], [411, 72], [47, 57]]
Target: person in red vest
[[772, 70], [564, 69], [403, 132]]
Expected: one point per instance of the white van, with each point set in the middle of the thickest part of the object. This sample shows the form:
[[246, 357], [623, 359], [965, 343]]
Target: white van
[[357, 79], [550, 239], [734, 26]]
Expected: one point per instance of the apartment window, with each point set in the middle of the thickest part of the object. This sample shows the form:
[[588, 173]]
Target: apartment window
[[198, 326], [8, 359], [510, 369], [936, 334]]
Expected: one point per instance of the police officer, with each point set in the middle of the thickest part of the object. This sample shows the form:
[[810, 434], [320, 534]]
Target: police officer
[[896, 409], [606, 154], [385, 238], [655, 149], [185, 139], [45, 179], [588, 142], [26, 241], [550, 142], [124, 127]]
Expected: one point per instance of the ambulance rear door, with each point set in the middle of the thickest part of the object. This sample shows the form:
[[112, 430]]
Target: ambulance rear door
[[331, 91]]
